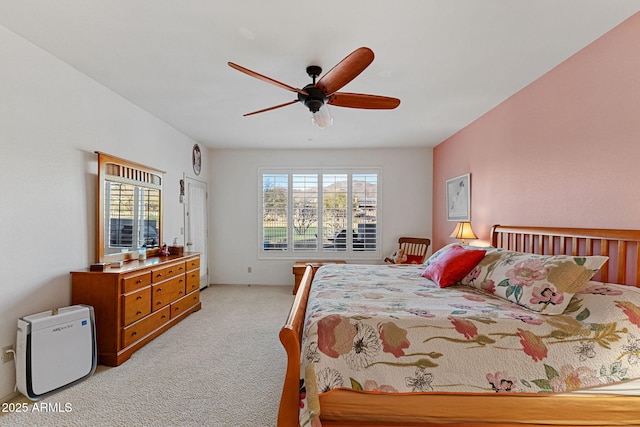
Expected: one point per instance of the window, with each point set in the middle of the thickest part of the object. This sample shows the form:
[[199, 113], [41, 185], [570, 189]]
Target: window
[[133, 214], [319, 213], [130, 209]]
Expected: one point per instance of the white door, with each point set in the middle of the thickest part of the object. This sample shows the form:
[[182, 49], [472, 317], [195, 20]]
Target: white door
[[195, 220]]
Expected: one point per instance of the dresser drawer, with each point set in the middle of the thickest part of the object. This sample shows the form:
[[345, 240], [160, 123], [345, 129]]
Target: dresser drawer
[[136, 305], [144, 327], [136, 281], [183, 304], [165, 293], [163, 273], [193, 280], [193, 263]]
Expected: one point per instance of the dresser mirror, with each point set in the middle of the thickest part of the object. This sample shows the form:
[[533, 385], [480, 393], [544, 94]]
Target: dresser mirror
[[129, 209]]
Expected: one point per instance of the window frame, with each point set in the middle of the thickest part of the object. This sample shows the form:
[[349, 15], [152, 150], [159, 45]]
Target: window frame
[[318, 254], [118, 170]]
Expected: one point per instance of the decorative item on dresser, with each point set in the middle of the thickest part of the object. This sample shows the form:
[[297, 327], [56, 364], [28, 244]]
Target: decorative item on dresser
[[137, 302]]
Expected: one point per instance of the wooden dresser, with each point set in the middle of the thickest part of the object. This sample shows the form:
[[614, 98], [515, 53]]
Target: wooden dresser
[[137, 302]]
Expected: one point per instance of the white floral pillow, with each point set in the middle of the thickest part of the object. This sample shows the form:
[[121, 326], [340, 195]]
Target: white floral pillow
[[445, 248], [543, 283]]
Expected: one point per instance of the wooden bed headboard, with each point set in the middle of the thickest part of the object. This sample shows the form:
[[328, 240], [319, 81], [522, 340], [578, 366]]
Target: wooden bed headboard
[[621, 246]]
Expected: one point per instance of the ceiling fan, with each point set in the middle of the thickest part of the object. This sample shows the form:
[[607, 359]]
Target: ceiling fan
[[315, 96]]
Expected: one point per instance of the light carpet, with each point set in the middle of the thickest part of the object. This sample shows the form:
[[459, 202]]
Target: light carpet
[[222, 366]]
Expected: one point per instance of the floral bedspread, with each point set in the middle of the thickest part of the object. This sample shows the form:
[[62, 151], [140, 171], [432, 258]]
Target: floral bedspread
[[388, 329]]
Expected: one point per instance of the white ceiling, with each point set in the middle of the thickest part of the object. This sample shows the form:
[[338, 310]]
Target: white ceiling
[[449, 61]]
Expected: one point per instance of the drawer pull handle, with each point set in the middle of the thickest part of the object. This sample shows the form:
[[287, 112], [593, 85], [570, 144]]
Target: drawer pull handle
[[139, 297], [158, 289], [159, 303], [159, 275], [134, 333], [138, 313], [138, 281], [164, 316], [180, 293]]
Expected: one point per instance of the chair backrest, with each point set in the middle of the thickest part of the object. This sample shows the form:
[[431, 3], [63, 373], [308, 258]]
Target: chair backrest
[[415, 248]]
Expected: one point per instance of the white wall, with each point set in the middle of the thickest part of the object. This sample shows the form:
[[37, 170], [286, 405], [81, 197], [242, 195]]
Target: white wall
[[233, 195], [52, 119]]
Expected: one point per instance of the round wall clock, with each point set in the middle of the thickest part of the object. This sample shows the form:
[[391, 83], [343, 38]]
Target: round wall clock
[[196, 159]]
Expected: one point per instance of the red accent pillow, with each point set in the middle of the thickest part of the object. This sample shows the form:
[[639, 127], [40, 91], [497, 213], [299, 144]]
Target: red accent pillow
[[450, 266]]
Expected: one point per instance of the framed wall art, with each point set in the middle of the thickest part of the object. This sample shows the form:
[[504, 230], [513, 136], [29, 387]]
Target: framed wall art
[[196, 159], [459, 198]]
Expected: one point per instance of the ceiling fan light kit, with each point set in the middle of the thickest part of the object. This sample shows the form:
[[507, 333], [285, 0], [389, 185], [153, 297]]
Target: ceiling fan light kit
[[316, 96], [322, 118]]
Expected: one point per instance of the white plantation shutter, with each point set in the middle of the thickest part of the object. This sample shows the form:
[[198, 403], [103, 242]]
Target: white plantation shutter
[[335, 204], [275, 211], [304, 213], [365, 196], [319, 212]]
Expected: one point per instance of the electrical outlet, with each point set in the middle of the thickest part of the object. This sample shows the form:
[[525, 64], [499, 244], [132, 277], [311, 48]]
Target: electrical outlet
[[7, 354], [248, 269]]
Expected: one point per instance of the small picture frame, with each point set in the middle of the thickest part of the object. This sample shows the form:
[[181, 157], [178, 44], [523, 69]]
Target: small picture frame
[[196, 159], [459, 198]]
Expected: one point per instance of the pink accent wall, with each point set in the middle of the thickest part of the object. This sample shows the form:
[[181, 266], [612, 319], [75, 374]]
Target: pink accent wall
[[564, 151]]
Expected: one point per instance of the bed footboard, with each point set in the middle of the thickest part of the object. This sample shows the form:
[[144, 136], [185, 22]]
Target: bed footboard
[[290, 337]]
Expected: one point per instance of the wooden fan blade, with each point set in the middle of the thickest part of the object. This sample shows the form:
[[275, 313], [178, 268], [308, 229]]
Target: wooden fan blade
[[271, 108], [346, 70], [266, 79], [361, 100]]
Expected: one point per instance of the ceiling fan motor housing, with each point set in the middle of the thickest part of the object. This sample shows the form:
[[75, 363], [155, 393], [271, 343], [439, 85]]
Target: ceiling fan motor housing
[[315, 100]]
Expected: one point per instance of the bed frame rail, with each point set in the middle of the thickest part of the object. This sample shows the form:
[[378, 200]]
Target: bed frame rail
[[291, 337], [621, 246]]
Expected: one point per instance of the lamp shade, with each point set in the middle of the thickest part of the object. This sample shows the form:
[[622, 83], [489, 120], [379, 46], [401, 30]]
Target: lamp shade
[[463, 231]]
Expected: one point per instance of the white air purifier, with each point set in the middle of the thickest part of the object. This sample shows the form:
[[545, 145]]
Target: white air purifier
[[54, 350]]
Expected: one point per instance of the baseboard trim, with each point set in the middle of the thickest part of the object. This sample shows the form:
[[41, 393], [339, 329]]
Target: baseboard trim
[[9, 397]]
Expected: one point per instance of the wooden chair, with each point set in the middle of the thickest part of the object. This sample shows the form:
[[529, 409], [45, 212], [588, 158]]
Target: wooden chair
[[414, 247]]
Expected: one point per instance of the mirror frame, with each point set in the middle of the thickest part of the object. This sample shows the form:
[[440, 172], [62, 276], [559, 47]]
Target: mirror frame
[[133, 173]]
